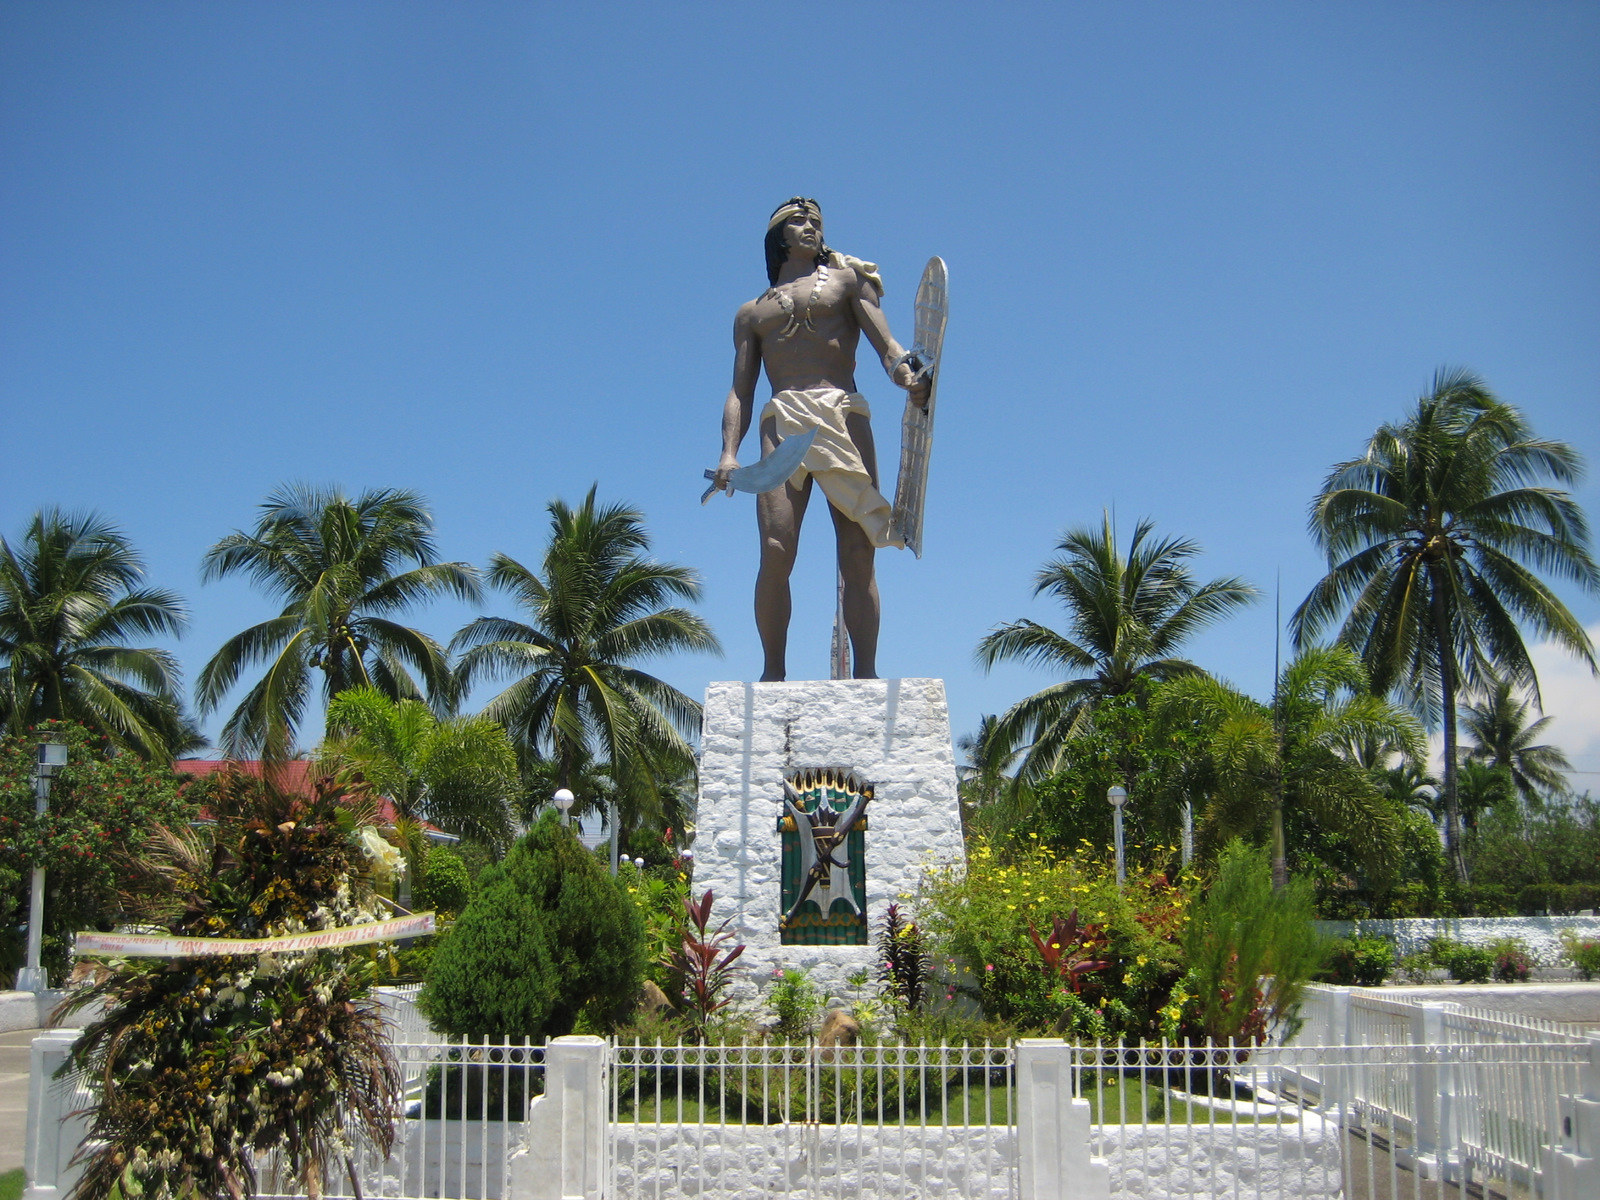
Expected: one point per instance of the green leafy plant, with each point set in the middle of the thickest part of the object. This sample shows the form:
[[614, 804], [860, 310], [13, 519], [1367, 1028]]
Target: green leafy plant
[[905, 967], [444, 886], [1583, 953], [1466, 964], [1416, 967], [1359, 961], [548, 936], [1241, 931], [104, 805], [658, 894], [796, 1003]]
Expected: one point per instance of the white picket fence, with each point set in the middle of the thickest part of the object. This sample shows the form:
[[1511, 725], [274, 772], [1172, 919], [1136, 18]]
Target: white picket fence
[[1373, 1098]]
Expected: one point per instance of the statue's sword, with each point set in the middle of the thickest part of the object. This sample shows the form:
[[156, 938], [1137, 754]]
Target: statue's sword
[[771, 471]]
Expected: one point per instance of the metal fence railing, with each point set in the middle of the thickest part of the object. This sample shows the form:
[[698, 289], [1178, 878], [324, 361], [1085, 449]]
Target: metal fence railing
[[1328, 1122], [781, 1120], [463, 1105], [1437, 1104]]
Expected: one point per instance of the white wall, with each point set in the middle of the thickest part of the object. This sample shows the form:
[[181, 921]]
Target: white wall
[[1541, 934]]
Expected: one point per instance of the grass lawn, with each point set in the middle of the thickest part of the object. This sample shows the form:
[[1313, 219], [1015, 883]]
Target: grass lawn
[[1112, 1101], [11, 1185]]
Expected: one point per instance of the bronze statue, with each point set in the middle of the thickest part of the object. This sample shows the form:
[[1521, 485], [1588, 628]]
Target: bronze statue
[[804, 330]]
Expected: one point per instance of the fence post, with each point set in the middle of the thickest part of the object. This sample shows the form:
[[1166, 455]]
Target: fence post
[[53, 1137], [1336, 1079], [1574, 1163], [1432, 1093], [1053, 1128], [1339, 1017], [564, 1156]]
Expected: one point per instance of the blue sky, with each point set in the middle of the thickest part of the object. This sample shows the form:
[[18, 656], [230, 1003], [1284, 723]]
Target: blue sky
[[492, 252]]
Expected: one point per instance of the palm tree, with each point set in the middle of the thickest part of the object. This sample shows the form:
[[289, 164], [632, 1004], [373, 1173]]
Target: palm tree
[[459, 773], [1293, 755], [336, 563], [1502, 737], [593, 609], [1434, 537], [1128, 616], [70, 599]]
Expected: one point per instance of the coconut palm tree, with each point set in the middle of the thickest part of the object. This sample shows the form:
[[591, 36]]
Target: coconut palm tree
[[342, 569], [458, 773], [70, 600], [1435, 539], [1503, 737], [1263, 760], [1128, 616], [593, 609]]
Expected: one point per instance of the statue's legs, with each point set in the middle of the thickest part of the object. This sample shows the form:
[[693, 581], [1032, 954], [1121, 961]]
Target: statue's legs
[[778, 517], [861, 609], [860, 594]]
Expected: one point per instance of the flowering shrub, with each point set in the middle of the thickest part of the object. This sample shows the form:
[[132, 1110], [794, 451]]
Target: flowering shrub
[[658, 894], [978, 919], [200, 1064], [1512, 962], [1584, 954], [104, 805]]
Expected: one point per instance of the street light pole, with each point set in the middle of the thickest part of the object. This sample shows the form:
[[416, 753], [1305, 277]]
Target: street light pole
[[564, 799], [52, 756], [1118, 795]]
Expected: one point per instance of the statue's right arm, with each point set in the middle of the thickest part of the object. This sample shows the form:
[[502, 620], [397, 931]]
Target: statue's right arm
[[739, 407]]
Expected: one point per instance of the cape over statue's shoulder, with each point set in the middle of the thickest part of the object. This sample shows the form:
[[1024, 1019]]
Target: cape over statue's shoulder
[[864, 270]]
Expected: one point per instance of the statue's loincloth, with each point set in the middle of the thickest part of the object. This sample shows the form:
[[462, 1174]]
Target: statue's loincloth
[[834, 458]]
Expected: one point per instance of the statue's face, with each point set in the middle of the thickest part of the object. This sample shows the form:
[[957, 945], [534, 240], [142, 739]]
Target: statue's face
[[803, 232]]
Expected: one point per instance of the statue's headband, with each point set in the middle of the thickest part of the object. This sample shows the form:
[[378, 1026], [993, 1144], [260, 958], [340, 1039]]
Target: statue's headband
[[793, 207]]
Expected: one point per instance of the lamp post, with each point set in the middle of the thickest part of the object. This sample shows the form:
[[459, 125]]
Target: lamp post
[[51, 757], [564, 799], [1118, 795], [1188, 831]]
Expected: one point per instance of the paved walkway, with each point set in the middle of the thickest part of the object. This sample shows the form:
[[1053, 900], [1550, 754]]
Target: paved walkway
[[15, 1054]]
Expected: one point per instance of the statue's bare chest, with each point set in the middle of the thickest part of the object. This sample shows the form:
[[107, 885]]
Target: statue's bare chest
[[812, 304]]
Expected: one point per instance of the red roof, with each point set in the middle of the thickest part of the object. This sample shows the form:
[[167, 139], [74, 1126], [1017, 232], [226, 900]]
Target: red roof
[[292, 776]]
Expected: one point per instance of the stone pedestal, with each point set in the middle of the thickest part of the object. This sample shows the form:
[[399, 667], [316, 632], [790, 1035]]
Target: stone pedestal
[[894, 733]]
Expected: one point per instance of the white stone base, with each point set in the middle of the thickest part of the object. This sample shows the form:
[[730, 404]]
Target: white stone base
[[893, 733]]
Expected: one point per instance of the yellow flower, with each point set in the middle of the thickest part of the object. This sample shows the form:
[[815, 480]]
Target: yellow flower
[[1141, 960]]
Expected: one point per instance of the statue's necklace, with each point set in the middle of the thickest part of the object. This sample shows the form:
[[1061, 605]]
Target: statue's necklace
[[786, 303]]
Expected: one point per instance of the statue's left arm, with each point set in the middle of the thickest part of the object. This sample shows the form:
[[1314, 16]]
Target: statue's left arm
[[869, 314]]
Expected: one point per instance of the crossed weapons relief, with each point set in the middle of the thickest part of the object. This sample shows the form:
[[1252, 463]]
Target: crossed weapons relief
[[823, 832]]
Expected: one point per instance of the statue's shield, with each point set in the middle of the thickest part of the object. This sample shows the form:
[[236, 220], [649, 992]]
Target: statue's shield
[[916, 428]]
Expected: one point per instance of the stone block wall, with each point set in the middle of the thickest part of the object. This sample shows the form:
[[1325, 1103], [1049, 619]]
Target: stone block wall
[[1541, 934], [894, 733]]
